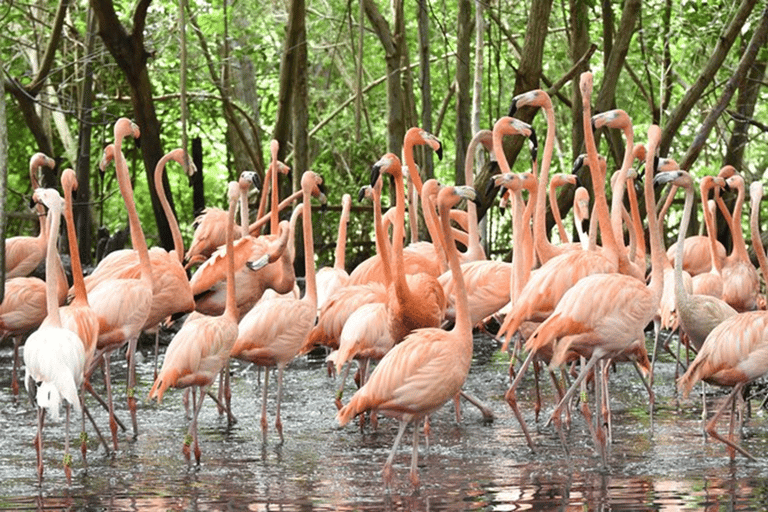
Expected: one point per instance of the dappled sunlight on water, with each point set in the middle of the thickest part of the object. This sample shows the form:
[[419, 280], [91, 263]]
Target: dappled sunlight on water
[[468, 466]]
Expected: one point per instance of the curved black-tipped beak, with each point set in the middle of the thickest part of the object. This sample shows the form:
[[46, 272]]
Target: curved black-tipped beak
[[489, 188], [361, 194], [578, 163], [592, 123], [579, 183], [375, 173], [256, 180], [512, 108], [534, 145], [439, 152]]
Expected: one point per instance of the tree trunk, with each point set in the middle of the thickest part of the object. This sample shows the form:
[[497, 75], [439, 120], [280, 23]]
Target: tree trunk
[[463, 86], [3, 187], [131, 56], [745, 109]]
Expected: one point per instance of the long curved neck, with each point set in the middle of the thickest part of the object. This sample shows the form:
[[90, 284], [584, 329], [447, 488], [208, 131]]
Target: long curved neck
[[598, 184], [382, 241], [556, 213], [309, 251], [617, 200], [739, 246], [709, 222], [637, 222], [274, 217], [657, 248], [474, 249], [410, 163], [341, 240], [51, 262], [430, 218], [178, 244], [255, 228], [398, 232], [137, 235], [681, 294], [463, 322], [520, 254], [544, 248], [230, 307], [78, 283]]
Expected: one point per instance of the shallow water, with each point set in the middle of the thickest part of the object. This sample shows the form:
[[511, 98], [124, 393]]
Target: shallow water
[[470, 465]]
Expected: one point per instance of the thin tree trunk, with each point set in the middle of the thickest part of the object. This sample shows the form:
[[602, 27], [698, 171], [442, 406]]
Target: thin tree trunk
[[745, 109], [3, 188], [758, 40], [463, 87], [694, 92]]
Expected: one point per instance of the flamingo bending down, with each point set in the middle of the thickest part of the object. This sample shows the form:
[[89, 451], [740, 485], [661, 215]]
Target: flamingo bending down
[[54, 356], [273, 331], [427, 368], [201, 348]]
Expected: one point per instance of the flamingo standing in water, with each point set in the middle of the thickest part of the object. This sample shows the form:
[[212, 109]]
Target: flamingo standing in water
[[54, 356], [24, 253], [604, 315], [201, 348], [426, 369], [272, 333], [77, 316], [122, 316]]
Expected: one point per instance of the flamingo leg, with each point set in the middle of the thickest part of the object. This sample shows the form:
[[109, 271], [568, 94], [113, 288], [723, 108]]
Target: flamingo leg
[[278, 420], [197, 406], [188, 438], [264, 406], [131, 355], [387, 473], [157, 349], [511, 397], [110, 404], [340, 392], [103, 402], [651, 395], [231, 420], [599, 428], [414, 474], [712, 422], [67, 456], [39, 443], [14, 370], [572, 390], [486, 411]]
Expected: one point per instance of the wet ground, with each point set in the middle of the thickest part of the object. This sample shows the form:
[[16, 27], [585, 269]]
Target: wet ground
[[469, 465]]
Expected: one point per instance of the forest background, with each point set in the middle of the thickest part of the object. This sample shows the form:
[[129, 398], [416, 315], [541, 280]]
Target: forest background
[[338, 84]]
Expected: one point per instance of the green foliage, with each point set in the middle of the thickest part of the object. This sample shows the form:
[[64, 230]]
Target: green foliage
[[255, 32]]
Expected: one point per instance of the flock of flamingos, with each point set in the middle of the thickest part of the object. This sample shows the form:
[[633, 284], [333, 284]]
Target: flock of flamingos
[[562, 303]]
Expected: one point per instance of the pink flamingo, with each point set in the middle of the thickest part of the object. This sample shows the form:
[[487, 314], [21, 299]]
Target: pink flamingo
[[201, 348], [426, 369]]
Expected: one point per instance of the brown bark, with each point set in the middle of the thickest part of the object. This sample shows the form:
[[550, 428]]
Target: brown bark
[[128, 51], [757, 41], [693, 94], [463, 86]]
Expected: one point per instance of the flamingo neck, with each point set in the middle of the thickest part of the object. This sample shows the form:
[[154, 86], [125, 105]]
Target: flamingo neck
[[543, 246], [341, 240], [709, 222], [757, 241], [382, 241], [474, 249], [739, 246], [78, 283], [398, 233], [178, 244], [556, 213], [52, 261], [309, 252], [681, 294], [230, 307], [617, 200], [274, 218], [463, 322], [137, 235], [520, 254]]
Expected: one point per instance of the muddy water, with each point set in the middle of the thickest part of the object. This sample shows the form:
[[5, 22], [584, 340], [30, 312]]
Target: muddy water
[[470, 465]]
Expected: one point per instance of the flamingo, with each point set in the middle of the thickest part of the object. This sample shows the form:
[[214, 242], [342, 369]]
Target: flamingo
[[734, 354], [755, 196], [711, 281], [697, 314], [54, 357], [122, 316], [330, 279], [426, 369], [272, 333], [740, 280], [200, 349], [77, 316], [418, 301], [604, 315], [24, 253], [580, 214]]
